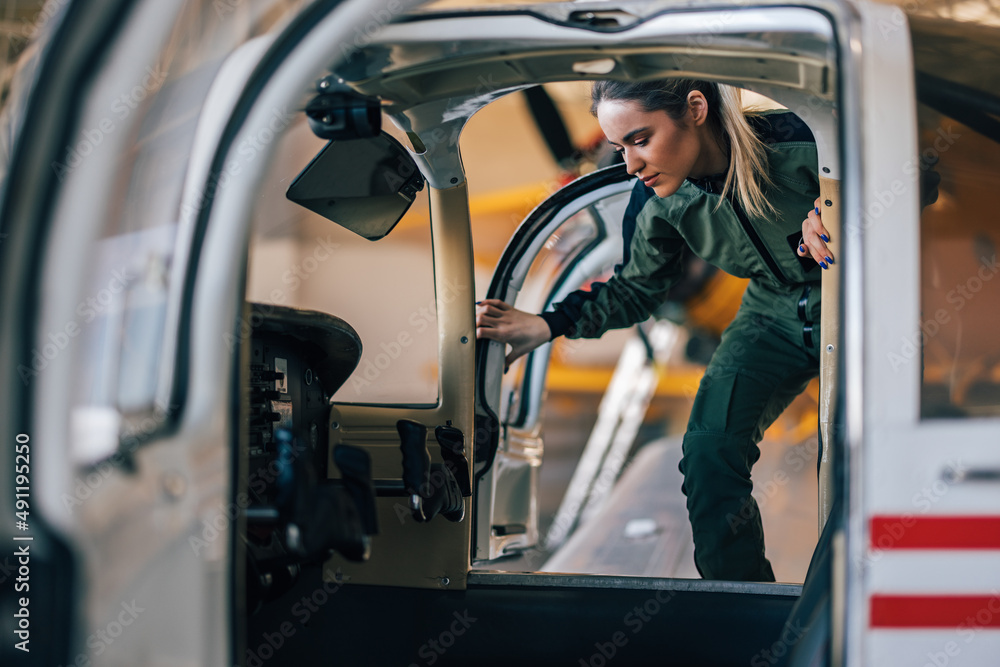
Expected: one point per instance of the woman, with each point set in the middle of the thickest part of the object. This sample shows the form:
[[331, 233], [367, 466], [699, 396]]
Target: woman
[[734, 188]]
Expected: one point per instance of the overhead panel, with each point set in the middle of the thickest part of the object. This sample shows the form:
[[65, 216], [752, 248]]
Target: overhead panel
[[409, 64]]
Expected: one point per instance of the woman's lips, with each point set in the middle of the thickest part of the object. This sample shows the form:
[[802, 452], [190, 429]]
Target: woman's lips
[[648, 181]]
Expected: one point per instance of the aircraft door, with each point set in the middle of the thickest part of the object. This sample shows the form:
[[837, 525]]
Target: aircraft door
[[571, 238]]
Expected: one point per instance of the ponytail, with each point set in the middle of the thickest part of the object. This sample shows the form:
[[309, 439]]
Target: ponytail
[[748, 168], [747, 176]]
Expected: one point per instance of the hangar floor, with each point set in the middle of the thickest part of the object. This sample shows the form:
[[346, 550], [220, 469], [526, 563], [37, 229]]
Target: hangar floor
[[643, 530]]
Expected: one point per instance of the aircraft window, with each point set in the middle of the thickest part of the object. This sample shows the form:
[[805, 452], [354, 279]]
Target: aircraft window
[[383, 289], [123, 319], [959, 139], [573, 238]]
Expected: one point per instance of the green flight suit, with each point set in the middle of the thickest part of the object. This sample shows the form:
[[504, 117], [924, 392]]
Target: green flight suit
[[768, 353]]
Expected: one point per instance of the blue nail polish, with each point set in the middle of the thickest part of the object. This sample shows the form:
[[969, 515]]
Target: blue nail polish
[[817, 210], [829, 260], [826, 239], [802, 248], [823, 264]]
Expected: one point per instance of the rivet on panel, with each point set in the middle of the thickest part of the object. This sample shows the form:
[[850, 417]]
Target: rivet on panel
[[174, 484]]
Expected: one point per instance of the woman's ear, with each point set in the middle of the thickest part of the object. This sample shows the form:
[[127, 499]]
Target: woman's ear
[[697, 107]]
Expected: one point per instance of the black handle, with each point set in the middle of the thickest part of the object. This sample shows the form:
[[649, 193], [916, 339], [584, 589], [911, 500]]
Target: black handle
[[416, 460], [433, 489], [452, 442], [446, 498]]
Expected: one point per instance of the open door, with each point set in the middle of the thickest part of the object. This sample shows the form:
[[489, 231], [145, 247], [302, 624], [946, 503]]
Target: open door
[[570, 239], [122, 331]]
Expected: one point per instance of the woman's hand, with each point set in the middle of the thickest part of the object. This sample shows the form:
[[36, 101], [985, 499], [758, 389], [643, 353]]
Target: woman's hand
[[496, 320], [814, 239]]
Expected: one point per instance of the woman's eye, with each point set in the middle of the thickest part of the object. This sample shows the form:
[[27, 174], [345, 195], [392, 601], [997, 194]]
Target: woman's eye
[[639, 142]]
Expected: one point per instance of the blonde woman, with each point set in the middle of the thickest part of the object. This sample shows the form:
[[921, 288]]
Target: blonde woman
[[735, 188]]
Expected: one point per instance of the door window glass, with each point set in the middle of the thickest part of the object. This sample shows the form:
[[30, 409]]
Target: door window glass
[[959, 142]]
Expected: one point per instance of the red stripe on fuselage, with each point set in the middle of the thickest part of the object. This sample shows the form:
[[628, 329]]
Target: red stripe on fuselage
[[934, 611], [935, 532]]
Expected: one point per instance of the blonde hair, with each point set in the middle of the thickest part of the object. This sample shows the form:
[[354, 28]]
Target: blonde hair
[[747, 176]]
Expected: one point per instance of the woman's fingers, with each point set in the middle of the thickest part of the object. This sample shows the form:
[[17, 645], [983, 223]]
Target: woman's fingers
[[494, 303], [488, 321], [498, 321], [490, 333], [497, 326], [814, 220], [490, 312], [815, 238]]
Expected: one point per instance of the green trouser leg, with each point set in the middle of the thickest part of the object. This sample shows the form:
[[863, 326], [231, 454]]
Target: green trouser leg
[[762, 364]]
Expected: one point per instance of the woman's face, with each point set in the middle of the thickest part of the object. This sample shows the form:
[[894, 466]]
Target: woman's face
[[659, 150]]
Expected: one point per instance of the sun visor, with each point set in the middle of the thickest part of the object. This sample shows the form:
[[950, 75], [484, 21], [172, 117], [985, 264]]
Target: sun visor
[[364, 185]]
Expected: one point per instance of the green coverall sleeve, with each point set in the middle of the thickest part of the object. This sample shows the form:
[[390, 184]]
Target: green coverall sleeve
[[631, 296]]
